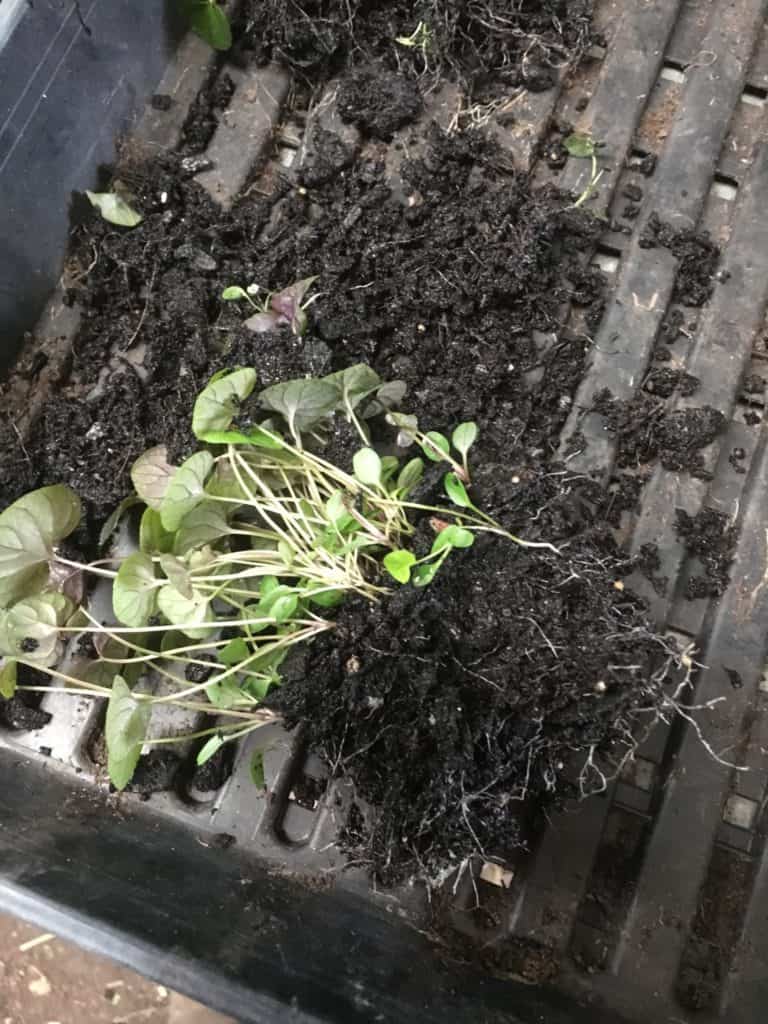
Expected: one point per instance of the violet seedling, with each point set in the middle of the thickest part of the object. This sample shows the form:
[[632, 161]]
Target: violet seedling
[[276, 309]]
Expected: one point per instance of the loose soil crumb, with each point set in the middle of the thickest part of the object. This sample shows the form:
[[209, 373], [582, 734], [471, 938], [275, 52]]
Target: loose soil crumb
[[709, 538], [698, 256], [646, 430]]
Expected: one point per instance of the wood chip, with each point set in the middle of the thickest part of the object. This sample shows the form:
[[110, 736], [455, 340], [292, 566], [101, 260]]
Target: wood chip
[[495, 874], [37, 941]]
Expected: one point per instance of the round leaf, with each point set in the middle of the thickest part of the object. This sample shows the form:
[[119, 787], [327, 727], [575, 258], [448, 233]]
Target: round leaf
[[29, 529], [453, 537], [463, 437], [134, 592], [219, 401], [29, 629], [125, 730], [203, 525], [367, 467], [153, 538], [580, 145], [186, 490], [177, 574], [185, 613], [398, 564], [151, 474]]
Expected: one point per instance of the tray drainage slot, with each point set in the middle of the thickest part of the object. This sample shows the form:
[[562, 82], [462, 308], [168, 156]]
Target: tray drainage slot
[[754, 95], [725, 187]]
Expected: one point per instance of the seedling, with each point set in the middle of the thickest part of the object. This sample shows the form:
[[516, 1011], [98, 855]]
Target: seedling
[[276, 309], [583, 147], [114, 209], [244, 550], [210, 22]]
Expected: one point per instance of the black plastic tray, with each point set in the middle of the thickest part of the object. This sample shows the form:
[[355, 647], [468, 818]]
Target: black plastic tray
[[640, 895]]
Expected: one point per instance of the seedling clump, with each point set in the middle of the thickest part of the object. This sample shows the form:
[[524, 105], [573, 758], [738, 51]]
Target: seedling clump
[[245, 550]]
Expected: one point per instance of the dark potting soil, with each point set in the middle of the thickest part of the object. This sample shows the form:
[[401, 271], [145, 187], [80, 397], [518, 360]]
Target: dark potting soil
[[22, 712], [711, 539], [450, 705], [647, 430], [698, 256], [443, 294], [487, 44]]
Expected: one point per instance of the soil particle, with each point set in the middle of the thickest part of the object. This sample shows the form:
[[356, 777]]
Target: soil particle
[[202, 120], [664, 382], [214, 773], [646, 431], [708, 537], [155, 772], [698, 256], [648, 562], [378, 101], [17, 714]]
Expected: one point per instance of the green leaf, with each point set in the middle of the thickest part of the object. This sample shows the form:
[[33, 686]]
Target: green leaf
[[225, 694], [110, 524], [580, 145], [335, 507], [203, 525], [210, 22], [134, 592], [278, 603], [268, 585], [151, 474], [185, 613], [113, 208], [387, 397], [224, 484], [29, 629], [186, 490], [235, 292], [423, 575], [398, 564], [125, 730], [410, 474], [354, 384], [456, 491], [328, 598], [177, 574], [256, 437], [463, 437], [236, 651], [209, 748], [407, 426], [453, 537], [389, 466], [302, 403], [436, 446], [367, 467], [29, 530], [220, 400], [257, 769], [154, 539], [8, 679]]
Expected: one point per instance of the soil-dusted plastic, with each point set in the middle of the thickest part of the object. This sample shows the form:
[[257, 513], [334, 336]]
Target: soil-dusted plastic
[[622, 352]]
